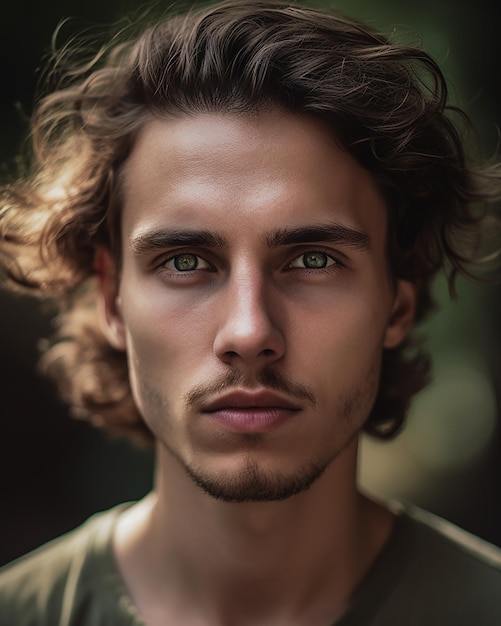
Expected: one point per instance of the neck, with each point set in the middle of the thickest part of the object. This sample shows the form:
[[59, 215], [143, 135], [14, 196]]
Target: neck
[[297, 560]]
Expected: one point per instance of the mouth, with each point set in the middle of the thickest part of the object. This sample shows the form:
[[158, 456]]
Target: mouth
[[250, 411]]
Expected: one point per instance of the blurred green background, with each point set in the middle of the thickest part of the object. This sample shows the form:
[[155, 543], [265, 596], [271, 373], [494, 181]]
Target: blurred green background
[[56, 471]]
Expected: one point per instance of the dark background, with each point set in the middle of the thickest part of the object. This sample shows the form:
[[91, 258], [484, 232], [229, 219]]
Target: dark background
[[56, 471]]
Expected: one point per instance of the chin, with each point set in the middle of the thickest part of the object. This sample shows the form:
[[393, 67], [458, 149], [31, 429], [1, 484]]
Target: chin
[[252, 483]]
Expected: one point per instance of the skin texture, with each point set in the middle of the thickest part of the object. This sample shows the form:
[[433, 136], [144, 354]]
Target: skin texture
[[306, 315]]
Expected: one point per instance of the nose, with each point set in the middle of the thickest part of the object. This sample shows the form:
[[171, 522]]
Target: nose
[[248, 334]]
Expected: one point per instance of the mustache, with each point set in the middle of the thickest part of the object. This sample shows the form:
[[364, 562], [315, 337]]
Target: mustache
[[268, 378]]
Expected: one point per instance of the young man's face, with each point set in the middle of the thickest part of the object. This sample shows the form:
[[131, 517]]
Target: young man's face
[[254, 299]]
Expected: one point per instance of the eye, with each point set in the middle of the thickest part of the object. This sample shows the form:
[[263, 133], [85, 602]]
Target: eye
[[314, 260], [186, 262]]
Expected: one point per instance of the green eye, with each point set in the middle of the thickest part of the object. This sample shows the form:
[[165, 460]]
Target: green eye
[[185, 262], [314, 260]]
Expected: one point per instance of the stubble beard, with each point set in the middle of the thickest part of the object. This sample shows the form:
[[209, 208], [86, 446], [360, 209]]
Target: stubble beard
[[253, 483]]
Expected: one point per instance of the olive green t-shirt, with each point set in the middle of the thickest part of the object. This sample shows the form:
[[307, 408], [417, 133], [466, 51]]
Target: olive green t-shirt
[[430, 573]]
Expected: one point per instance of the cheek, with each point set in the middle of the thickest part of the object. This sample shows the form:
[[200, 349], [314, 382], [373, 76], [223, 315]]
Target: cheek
[[350, 321], [167, 338], [343, 367], [343, 346], [161, 321]]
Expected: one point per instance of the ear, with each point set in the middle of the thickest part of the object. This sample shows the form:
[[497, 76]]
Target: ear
[[110, 316], [402, 314]]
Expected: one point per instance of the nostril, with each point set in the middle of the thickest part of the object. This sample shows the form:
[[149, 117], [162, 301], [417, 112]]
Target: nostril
[[268, 352]]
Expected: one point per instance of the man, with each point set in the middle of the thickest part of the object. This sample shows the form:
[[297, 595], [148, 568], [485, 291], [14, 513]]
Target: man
[[241, 212]]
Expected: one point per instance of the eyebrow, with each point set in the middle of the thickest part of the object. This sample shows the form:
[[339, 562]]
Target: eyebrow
[[149, 241], [332, 233], [160, 239]]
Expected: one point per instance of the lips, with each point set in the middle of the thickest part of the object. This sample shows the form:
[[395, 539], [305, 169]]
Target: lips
[[250, 400], [250, 411]]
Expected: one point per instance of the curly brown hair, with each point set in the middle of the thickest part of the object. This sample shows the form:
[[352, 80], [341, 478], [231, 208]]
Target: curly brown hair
[[387, 106]]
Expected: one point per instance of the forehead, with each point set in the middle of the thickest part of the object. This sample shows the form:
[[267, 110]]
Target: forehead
[[251, 172]]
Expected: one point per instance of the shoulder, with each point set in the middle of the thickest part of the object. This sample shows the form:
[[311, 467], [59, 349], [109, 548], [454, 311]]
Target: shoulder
[[447, 575], [438, 543], [40, 587]]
